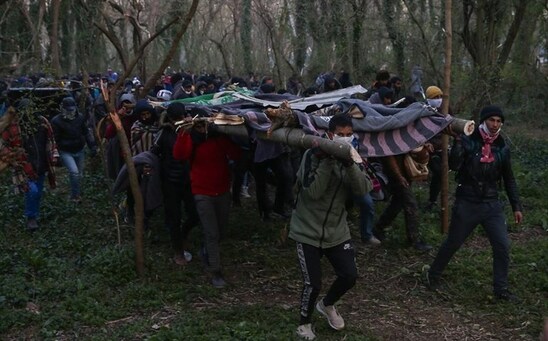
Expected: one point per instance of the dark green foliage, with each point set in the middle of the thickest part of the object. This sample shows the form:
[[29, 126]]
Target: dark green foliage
[[72, 280]]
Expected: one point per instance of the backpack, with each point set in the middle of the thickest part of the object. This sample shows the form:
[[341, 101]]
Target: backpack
[[379, 180]]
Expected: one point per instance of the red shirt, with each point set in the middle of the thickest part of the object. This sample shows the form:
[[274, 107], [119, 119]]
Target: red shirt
[[209, 169]]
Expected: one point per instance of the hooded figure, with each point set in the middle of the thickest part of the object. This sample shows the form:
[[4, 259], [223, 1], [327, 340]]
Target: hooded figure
[[144, 129], [68, 108]]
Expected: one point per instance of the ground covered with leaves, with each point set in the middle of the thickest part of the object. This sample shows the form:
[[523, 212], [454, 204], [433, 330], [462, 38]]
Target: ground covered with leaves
[[73, 280]]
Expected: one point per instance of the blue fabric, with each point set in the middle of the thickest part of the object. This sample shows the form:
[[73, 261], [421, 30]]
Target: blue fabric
[[75, 166], [367, 214], [33, 196]]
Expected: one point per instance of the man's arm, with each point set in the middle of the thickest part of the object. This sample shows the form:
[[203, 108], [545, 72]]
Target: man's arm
[[511, 188]]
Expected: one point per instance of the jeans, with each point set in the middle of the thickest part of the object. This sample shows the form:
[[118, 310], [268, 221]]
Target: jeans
[[33, 196], [367, 214], [75, 166], [465, 217]]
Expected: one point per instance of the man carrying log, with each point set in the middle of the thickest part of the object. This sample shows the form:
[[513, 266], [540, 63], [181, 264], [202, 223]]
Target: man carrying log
[[319, 227]]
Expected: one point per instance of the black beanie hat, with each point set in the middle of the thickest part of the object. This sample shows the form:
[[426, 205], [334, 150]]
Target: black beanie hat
[[176, 111], [491, 110], [385, 92]]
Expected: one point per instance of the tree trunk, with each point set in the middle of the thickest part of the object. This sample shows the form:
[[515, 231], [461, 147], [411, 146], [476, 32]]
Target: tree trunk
[[482, 42], [299, 45], [34, 27], [245, 35], [109, 99], [133, 180], [389, 9], [445, 111], [55, 61]]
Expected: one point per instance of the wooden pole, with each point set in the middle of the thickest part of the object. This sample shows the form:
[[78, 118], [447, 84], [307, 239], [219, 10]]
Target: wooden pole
[[445, 110]]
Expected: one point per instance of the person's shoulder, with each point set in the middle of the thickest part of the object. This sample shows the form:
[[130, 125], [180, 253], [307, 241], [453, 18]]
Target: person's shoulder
[[54, 120]]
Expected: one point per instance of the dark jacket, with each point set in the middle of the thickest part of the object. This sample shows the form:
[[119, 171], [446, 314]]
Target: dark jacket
[[479, 181], [72, 135], [149, 183], [36, 150], [172, 170]]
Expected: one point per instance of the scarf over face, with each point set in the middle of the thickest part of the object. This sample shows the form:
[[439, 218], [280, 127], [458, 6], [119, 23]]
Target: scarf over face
[[488, 139]]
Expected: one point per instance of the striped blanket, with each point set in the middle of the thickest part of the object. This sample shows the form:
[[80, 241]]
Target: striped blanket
[[379, 134], [382, 131]]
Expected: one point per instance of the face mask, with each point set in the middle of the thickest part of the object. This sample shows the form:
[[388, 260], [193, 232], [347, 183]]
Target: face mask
[[343, 139], [68, 114], [436, 102]]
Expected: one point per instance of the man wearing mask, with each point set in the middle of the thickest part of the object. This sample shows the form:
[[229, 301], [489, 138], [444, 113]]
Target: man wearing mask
[[72, 134], [175, 175], [434, 98], [318, 226], [208, 154], [482, 162]]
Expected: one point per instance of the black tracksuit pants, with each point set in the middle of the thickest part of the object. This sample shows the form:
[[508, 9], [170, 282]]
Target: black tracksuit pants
[[342, 258]]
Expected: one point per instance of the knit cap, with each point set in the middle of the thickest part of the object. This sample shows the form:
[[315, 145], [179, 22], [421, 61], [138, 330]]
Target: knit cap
[[491, 110], [433, 91]]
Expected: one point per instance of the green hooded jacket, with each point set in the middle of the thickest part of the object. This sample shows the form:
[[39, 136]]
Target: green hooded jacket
[[324, 185]]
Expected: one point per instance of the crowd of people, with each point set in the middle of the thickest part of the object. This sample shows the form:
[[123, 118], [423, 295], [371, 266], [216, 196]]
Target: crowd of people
[[203, 173]]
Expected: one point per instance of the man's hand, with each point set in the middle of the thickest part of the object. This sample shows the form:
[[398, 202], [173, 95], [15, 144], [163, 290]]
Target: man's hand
[[429, 146], [518, 217]]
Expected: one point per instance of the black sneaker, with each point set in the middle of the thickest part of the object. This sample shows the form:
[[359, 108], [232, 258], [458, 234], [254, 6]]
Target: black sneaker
[[506, 295], [218, 281], [32, 225], [422, 246]]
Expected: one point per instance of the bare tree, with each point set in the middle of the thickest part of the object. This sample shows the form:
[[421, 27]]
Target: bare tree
[[489, 31]]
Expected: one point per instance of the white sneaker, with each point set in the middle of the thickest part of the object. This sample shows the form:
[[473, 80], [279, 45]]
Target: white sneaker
[[187, 255], [305, 331], [330, 312], [244, 193], [373, 241]]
